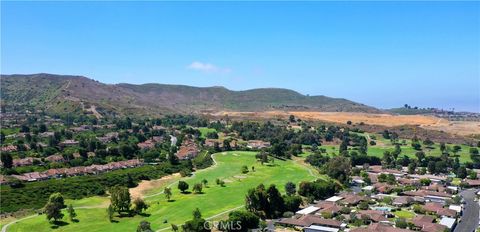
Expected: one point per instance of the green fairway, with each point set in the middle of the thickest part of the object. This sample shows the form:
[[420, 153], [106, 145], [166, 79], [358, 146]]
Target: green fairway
[[386, 145], [214, 201]]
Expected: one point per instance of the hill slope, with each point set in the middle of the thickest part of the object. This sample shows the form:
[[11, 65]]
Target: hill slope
[[61, 93]]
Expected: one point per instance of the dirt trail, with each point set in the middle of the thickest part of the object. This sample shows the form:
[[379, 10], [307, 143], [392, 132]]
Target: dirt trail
[[145, 185]]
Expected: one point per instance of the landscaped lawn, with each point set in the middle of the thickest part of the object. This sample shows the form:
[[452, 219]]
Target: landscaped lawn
[[213, 201], [404, 214], [205, 130]]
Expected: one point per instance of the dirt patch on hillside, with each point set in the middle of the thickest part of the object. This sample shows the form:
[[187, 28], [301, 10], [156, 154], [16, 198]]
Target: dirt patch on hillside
[[456, 127], [146, 185], [388, 120]]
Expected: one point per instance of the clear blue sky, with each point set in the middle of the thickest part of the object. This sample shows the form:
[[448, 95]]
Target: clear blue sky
[[383, 54]]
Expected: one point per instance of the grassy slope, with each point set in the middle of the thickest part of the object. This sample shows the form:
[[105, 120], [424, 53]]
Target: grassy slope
[[385, 145], [215, 199]]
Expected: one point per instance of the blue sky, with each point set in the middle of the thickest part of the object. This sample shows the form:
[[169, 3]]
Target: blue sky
[[382, 54]]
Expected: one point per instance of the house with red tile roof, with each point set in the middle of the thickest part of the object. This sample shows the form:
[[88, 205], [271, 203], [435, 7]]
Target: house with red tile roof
[[426, 224], [379, 227], [308, 220], [9, 148], [437, 208], [188, 150]]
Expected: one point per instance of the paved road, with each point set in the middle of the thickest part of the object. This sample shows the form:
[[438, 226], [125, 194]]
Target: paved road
[[470, 215]]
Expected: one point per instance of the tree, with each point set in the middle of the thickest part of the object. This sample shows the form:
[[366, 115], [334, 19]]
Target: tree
[[388, 159], [363, 205], [110, 212], [462, 172], [338, 168], [182, 186], [168, 193], [431, 167], [197, 224], [401, 223], [411, 168], [292, 203], [197, 188], [71, 213], [290, 188], [428, 142], [144, 226], [442, 147], [265, 203], [291, 118], [54, 206], [275, 199], [244, 169], [205, 182], [425, 181], [472, 175], [420, 156], [130, 182], [139, 205], [473, 151], [6, 159], [174, 227], [242, 221], [120, 199]]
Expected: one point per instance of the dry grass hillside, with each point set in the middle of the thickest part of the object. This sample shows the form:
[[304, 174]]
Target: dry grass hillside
[[388, 120]]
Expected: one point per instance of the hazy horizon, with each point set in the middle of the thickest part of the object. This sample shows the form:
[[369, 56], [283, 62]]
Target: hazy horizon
[[382, 54]]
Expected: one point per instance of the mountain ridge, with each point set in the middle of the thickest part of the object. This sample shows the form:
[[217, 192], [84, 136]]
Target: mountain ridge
[[65, 93]]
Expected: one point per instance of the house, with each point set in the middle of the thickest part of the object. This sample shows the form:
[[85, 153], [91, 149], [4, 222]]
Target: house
[[46, 134], [104, 139], [308, 220], [368, 188], [31, 176], [148, 144], [328, 207], [378, 169], [457, 208], [350, 199], [439, 197], [433, 178], [211, 142], [373, 215], [448, 222], [188, 150], [426, 224], [438, 209], [383, 187], [9, 148], [334, 199], [55, 158], [403, 201], [308, 210], [379, 227], [408, 181], [68, 143], [257, 144], [314, 228], [473, 183], [24, 162]]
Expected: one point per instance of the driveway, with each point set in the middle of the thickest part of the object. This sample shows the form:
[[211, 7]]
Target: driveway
[[470, 214]]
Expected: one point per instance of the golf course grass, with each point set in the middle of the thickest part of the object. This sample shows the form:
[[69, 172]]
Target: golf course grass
[[214, 200]]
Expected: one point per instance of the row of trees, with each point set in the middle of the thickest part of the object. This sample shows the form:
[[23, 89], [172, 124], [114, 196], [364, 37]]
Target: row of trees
[[269, 203]]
